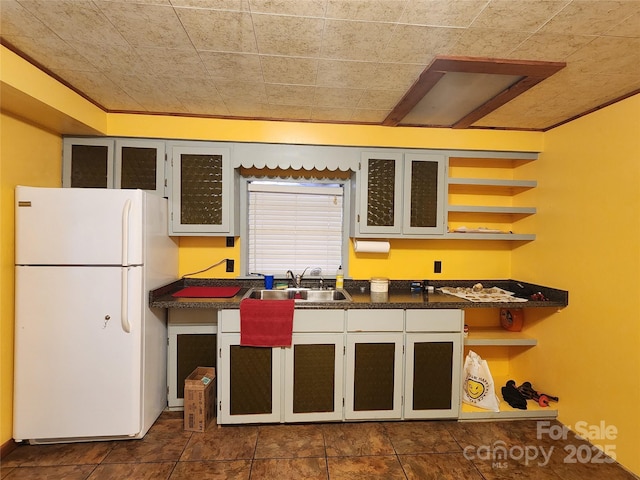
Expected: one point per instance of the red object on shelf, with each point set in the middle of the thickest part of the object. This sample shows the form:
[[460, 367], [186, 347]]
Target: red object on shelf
[[207, 292], [512, 319]]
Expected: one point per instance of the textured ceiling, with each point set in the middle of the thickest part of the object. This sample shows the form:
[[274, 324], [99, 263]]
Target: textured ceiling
[[347, 61]]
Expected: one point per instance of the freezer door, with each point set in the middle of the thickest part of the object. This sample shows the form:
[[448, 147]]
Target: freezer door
[[78, 371], [79, 226]]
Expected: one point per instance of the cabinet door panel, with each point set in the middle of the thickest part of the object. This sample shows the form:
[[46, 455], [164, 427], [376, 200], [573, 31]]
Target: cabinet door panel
[[380, 193], [190, 346], [193, 350], [432, 375], [249, 382], [140, 164], [88, 163], [374, 376], [432, 372], [373, 381], [138, 168], [314, 378], [424, 198], [201, 190], [314, 393]]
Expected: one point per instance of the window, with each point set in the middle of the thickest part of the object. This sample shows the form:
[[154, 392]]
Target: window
[[292, 226]]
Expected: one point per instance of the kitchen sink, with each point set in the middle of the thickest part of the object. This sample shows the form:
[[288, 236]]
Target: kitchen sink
[[325, 296], [270, 294], [300, 295]]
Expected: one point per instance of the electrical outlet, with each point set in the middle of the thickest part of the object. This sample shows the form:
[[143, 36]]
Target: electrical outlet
[[230, 265], [437, 266]]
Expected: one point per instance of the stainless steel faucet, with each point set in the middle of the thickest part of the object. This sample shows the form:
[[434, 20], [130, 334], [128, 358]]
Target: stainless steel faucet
[[297, 279], [293, 278]]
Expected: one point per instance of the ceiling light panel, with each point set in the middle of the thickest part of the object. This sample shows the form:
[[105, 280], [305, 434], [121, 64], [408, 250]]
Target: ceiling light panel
[[456, 95]]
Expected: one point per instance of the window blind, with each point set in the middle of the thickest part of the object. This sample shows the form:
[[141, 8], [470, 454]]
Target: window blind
[[292, 227]]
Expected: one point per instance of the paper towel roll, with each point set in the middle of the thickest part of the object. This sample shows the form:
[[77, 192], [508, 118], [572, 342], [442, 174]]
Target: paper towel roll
[[369, 246]]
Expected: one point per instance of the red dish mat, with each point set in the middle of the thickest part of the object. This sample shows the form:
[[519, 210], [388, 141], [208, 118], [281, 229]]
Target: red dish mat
[[207, 292]]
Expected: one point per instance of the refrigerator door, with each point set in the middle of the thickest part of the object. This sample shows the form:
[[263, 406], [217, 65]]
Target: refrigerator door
[[78, 372], [79, 226]]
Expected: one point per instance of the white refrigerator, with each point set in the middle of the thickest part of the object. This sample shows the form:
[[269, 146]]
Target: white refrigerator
[[90, 355]]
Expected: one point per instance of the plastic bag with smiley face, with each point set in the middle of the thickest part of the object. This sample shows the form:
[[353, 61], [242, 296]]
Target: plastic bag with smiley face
[[478, 388]]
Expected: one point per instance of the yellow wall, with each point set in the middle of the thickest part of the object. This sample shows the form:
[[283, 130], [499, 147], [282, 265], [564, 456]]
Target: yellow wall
[[588, 227], [29, 156], [323, 134], [32, 94]]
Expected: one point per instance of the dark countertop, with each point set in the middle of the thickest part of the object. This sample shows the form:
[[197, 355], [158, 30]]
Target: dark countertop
[[400, 295]]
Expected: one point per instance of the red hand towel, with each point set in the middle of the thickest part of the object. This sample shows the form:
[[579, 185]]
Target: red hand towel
[[266, 323]]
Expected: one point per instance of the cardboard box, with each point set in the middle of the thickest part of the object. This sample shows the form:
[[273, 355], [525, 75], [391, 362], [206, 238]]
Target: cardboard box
[[199, 399]]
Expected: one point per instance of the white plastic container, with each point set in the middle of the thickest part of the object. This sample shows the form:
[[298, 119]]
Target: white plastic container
[[379, 285]]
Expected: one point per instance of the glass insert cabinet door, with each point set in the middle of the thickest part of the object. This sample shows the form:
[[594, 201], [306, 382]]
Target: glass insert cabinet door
[[88, 162], [432, 375], [424, 190], [380, 192], [114, 163], [401, 193], [314, 377], [374, 376], [201, 189], [249, 380], [139, 163]]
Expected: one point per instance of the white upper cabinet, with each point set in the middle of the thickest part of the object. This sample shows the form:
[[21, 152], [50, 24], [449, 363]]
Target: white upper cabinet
[[139, 163], [114, 163], [424, 190], [400, 194], [88, 162], [394, 192], [202, 190]]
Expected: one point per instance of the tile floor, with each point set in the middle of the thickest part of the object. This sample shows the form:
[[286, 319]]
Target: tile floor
[[386, 450]]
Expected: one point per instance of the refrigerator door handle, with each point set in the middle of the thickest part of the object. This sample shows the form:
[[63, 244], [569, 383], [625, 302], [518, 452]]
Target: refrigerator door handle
[[125, 232], [126, 326]]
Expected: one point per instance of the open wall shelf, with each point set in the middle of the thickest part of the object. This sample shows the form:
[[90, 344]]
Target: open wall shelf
[[493, 212], [496, 336], [533, 412]]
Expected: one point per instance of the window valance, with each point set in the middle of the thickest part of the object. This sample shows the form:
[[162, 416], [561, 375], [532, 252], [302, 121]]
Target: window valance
[[295, 157]]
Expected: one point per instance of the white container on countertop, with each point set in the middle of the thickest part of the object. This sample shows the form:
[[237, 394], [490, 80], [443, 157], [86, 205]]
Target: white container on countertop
[[379, 285]]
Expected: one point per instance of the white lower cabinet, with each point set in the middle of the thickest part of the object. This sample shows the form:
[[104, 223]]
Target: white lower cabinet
[[269, 385], [249, 378], [313, 378], [373, 376], [249, 381], [433, 363], [359, 364], [432, 375], [191, 344]]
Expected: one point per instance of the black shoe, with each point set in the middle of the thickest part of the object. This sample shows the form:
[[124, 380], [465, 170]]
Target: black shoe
[[513, 397]]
